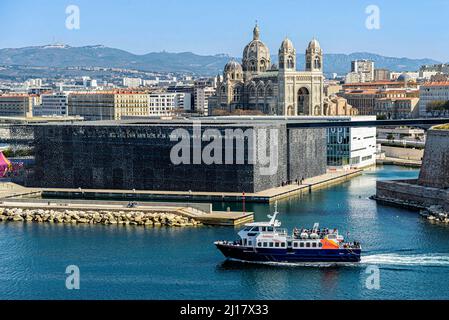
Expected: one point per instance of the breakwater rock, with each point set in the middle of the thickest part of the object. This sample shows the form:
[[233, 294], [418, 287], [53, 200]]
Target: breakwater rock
[[436, 214], [140, 218]]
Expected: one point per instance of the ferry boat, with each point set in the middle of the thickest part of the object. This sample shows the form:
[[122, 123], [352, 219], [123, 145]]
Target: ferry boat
[[267, 242]]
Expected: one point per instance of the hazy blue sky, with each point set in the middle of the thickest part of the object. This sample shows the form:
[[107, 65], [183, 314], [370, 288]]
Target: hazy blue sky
[[414, 29]]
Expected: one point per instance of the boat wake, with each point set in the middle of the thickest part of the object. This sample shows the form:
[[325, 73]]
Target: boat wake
[[429, 260]]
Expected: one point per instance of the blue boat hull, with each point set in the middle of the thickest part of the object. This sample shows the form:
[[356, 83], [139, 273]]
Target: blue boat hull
[[290, 255]]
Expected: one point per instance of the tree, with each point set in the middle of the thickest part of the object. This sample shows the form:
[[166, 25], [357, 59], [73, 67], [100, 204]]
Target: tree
[[437, 107]]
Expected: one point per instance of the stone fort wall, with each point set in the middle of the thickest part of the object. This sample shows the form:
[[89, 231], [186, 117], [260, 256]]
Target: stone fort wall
[[435, 168]]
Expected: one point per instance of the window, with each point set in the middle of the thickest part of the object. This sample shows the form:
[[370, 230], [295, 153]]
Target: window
[[314, 245], [283, 244], [264, 229], [301, 244], [271, 244], [250, 243], [289, 244], [276, 244], [259, 244], [265, 244], [320, 245], [255, 229], [270, 229], [295, 244], [307, 244]]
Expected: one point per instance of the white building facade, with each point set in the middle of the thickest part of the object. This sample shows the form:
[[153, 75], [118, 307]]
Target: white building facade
[[165, 104], [432, 92], [54, 104], [351, 148]]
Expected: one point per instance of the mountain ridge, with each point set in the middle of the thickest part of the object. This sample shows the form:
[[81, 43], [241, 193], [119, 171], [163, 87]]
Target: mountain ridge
[[60, 55]]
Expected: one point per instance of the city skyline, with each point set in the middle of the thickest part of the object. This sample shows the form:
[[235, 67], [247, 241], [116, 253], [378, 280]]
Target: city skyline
[[399, 35]]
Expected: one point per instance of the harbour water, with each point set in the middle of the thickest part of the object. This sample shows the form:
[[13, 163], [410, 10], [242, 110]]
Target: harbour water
[[119, 262]]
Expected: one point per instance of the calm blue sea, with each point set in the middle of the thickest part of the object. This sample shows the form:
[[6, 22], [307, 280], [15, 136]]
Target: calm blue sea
[[168, 263]]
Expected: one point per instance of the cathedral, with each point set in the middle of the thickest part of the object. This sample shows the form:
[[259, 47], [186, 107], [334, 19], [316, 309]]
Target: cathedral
[[257, 84]]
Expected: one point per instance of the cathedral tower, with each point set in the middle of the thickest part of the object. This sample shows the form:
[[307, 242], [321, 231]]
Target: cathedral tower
[[287, 56], [314, 56]]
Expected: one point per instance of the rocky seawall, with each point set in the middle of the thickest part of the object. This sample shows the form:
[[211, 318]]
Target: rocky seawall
[[138, 218]]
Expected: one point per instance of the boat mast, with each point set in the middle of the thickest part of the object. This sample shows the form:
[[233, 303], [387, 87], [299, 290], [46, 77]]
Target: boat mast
[[273, 217]]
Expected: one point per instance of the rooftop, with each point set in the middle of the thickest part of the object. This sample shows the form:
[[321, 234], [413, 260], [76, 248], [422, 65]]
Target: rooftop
[[436, 84]]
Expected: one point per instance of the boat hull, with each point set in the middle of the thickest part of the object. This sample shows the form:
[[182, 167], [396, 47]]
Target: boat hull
[[289, 255]]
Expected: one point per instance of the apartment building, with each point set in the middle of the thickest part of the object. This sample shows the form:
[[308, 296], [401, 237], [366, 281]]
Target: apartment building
[[55, 104], [433, 92], [16, 105], [108, 105]]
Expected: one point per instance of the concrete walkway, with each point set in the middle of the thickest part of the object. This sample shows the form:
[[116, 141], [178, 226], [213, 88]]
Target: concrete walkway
[[262, 196], [400, 162], [265, 196], [208, 218]]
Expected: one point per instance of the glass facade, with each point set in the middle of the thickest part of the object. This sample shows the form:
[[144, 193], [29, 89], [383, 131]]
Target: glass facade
[[338, 146]]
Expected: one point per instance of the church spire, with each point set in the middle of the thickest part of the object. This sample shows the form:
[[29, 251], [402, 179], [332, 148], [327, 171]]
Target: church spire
[[256, 32]]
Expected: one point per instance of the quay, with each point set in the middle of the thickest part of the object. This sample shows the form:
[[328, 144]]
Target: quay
[[266, 196], [400, 162], [201, 212]]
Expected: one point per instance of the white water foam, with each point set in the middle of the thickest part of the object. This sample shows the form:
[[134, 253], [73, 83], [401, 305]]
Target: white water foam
[[430, 260]]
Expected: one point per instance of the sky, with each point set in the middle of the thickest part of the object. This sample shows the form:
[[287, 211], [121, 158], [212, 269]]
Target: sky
[[413, 29]]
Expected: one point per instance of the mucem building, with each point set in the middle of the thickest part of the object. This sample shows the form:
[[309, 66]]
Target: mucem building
[[213, 156]]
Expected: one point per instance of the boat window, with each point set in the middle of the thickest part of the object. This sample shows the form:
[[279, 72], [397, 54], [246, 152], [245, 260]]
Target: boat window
[[270, 229], [259, 244], [283, 244], [301, 244], [265, 244], [289, 244], [295, 244], [255, 229], [264, 229], [276, 244], [271, 244], [250, 243], [247, 229], [307, 244], [320, 245], [314, 244]]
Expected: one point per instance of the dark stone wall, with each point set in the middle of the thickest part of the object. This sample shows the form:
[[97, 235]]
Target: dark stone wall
[[308, 153], [138, 157]]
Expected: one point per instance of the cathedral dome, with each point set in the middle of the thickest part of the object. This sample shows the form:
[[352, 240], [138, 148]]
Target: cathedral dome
[[233, 66], [404, 77], [256, 55]]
